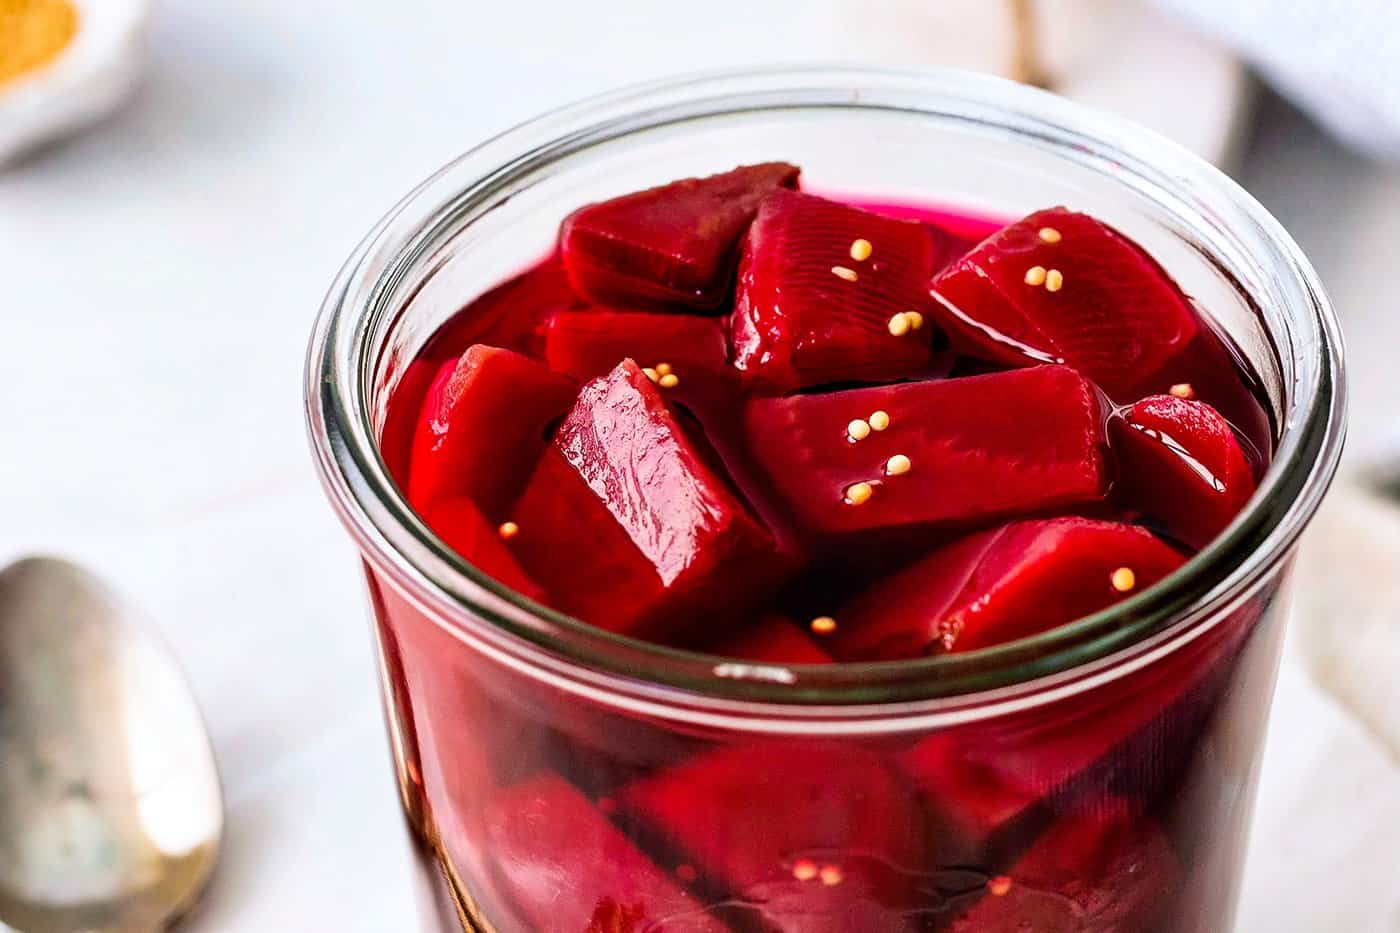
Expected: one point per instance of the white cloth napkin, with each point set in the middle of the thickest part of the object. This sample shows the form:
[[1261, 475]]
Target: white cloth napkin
[[1325, 854], [1347, 624], [1323, 857], [1338, 59]]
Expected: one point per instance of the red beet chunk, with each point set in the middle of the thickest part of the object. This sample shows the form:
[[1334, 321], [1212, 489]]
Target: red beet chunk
[[566, 867], [1207, 371], [774, 639], [459, 523], [953, 235], [977, 449], [482, 427], [1000, 585], [1181, 463], [1101, 872], [818, 838], [511, 314], [970, 808], [591, 343], [1133, 735], [401, 420], [948, 247], [629, 527], [1114, 313], [807, 313], [672, 244]]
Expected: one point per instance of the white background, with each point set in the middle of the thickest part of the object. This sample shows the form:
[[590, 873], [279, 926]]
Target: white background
[[158, 279]]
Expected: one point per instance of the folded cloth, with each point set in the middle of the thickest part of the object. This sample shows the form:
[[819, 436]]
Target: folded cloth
[[1323, 854], [1346, 624], [1338, 59]]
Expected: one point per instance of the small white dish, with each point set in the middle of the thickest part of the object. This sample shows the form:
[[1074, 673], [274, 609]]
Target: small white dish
[[89, 79]]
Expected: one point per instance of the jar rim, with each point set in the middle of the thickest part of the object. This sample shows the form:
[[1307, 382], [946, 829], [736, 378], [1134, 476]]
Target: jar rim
[[494, 619]]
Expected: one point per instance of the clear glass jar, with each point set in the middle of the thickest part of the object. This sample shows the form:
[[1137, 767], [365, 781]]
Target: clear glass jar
[[1095, 777]]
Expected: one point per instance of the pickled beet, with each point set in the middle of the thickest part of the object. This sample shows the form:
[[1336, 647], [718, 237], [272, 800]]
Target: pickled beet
[[460, 524], [483, 426], [773, 639], [512, 314], [815, 837], [1059, 286], [955, 452], [1181, 463], [674, 243], [991, 785], [671, 549], [1000, 585], [807, 312], [1099, 872], [405, 414], [567, 868], [591, 342]]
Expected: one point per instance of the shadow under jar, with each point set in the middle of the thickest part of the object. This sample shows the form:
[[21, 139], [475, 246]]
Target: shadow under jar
[[1096, 777]]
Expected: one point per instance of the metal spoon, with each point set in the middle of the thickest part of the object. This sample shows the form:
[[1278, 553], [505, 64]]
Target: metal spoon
[[110, 808]]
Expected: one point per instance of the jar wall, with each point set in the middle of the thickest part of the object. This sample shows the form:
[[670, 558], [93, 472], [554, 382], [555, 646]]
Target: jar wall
[[1121, 806], [1125, 806]]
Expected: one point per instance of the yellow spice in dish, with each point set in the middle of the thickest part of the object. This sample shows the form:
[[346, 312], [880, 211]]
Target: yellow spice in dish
[[32, 34]]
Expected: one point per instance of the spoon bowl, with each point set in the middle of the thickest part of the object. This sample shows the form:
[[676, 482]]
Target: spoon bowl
[[111, 813]]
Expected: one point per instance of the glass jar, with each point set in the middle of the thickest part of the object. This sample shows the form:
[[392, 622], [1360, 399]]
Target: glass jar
[[1097, 777]]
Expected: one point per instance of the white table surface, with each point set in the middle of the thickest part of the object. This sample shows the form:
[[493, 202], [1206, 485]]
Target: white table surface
[[158, 278]]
